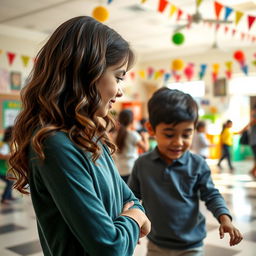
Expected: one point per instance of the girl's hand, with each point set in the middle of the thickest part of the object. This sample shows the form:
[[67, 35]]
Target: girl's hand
[[139, 216]]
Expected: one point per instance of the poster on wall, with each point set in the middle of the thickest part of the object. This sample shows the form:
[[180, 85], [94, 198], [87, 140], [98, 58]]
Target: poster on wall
[[15, 80], [220, 87], [4, 80], [10, 110]]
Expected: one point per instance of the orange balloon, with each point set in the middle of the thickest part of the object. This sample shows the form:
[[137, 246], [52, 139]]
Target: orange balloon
[[100, 13]]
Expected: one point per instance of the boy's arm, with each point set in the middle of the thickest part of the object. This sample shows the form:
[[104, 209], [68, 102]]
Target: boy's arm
[[217, 205]]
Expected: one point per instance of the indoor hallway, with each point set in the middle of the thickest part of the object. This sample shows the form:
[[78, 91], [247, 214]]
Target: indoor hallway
[[18, 234]]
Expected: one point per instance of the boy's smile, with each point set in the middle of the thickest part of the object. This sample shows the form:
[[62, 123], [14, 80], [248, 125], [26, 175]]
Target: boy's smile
[[173, 140]]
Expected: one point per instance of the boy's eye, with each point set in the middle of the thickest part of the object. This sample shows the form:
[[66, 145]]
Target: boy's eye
[[186, 136], [169, 135]]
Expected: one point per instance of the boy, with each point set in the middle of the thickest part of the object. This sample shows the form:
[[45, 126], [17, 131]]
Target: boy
[[171, 180]]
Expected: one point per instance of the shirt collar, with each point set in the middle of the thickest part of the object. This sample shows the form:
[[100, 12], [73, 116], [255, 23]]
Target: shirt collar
[[182, 160]]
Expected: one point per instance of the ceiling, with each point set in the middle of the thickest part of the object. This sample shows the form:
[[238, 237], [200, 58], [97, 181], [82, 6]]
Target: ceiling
[[148, 30]]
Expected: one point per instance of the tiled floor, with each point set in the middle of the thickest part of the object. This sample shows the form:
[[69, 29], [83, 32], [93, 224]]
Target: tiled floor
[[18, 234]]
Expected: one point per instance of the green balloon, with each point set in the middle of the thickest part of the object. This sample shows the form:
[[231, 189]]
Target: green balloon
[[178, 38]]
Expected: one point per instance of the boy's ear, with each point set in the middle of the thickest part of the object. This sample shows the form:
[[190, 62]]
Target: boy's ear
[[150, 128]]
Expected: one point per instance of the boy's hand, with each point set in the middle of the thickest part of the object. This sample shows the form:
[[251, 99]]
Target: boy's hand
[[226, 226]]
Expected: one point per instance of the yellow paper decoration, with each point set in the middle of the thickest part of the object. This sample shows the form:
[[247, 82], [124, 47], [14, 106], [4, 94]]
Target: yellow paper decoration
[[229, 65], [216, 68], [177, 64], [25, 60], [143, 1], [1, 51], [238, 16], [156, 75], [142, 74], [198, 2], [100, 13], [173, 10]]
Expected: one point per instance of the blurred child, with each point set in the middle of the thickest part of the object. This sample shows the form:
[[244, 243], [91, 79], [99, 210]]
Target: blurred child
[[171, 180], [226, 139], [128, 141], [4, 157], [200, 143]]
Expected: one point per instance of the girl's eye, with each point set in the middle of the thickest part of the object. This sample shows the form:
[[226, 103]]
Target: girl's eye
[[187, 136], [118, 79]]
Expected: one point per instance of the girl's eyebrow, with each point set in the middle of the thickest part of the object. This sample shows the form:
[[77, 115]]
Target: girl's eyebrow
[[121, 72]]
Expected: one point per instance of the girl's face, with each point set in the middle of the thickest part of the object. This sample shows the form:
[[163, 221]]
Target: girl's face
[[109, 87]]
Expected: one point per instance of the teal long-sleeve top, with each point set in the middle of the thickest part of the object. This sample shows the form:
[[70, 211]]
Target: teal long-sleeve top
[[78, 203]]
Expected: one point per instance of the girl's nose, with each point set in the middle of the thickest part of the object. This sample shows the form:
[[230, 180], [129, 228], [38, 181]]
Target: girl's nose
[[119, 92]]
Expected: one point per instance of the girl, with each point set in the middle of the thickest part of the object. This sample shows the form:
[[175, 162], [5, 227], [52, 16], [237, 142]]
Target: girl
[[61, 148], [128, 141]]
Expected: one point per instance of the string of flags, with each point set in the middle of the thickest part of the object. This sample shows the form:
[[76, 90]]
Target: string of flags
[[11, 57], [179, 69], [167, 7]]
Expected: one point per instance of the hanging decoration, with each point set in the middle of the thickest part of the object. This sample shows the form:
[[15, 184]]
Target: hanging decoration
[[218, 7], [25, 60], [202, 71], [251, 20], [177, 64], [162, 5], [167, 76], [240, 58], [229, 69], [150, 72], [110, 1], [100, 13], [189, 71], [178, 38], [215, 71], [10, 56]]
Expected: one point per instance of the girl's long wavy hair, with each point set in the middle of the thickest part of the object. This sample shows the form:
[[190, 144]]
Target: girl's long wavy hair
[[61, 93]]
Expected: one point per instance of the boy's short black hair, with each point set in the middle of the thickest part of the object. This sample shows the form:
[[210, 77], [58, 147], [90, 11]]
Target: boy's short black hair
[[171, 107]]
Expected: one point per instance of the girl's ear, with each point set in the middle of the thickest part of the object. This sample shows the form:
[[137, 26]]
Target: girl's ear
[[150, 128]]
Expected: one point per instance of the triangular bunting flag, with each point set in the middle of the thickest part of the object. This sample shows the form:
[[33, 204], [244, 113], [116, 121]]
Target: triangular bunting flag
[[1, 51], [198, 2], [11, 56], [142, 74], [173, 10], [251, 20], [218, 7], [228, 11], [25, 60], [110, 1], [226, 29], [162, 5], [180, 12], [238, 16], [143, 1]]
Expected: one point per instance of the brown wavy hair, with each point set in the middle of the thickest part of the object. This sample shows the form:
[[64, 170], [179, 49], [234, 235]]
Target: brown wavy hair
[[61, 92]]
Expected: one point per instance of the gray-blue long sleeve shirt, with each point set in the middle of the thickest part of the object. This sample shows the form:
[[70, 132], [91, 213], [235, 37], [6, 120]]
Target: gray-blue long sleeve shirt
[[78, 203], [171, 196]]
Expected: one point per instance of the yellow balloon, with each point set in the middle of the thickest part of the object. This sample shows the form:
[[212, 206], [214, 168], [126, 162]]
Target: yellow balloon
[[100, 13], [177, 64]]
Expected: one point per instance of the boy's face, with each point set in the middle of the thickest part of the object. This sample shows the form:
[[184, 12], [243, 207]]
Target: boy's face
[[172, 140]]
